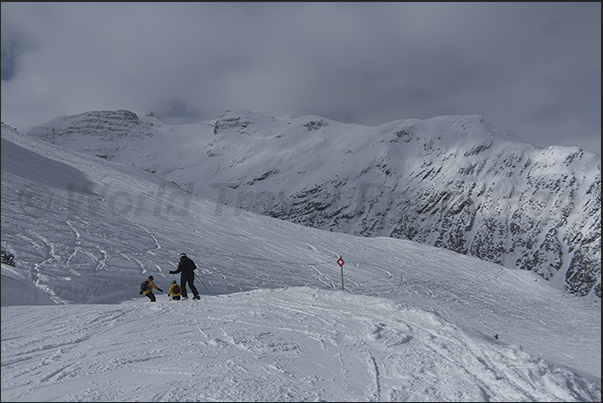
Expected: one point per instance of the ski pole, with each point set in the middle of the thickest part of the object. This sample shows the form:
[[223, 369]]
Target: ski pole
[[202, 283]]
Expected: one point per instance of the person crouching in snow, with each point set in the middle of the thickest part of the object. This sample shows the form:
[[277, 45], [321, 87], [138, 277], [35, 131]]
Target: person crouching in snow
[[174, 291], [147, 288]]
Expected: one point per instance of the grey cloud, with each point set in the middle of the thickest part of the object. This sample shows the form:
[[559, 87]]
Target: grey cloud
[[522, 66]]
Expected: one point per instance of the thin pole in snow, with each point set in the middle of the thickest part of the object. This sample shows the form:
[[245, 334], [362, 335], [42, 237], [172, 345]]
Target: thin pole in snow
[[202, 283], [340, 262]]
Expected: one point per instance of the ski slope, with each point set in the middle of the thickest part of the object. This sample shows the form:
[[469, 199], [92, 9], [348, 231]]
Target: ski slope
[[413, 323]]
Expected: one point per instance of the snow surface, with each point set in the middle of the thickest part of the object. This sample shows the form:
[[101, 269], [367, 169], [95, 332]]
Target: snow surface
[[413, 323]]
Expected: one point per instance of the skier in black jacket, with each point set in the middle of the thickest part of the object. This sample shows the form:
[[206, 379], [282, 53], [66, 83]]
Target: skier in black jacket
[[186, 267]]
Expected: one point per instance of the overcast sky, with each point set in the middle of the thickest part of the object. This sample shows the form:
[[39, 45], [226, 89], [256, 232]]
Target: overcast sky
[[533, 68]]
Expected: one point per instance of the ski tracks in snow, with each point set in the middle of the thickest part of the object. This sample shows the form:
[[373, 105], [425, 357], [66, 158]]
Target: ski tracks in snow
[[292, 344]]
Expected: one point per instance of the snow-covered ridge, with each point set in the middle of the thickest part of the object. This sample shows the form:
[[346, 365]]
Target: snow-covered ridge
[[103, 130], [455, 182]]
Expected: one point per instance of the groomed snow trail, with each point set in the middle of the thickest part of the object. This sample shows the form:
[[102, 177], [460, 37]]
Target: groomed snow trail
[[292, 344]]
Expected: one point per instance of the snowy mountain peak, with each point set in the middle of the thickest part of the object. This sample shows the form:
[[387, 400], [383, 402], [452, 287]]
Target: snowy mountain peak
[[238, 121], [97, 132], [109, 125], [448, 131], [456, 182]]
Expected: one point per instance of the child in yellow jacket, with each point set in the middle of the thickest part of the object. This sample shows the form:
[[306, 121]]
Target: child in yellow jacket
[[148, 291], [175, 291]]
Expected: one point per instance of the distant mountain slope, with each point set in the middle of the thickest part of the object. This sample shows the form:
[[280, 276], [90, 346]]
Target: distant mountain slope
[[454, 182]]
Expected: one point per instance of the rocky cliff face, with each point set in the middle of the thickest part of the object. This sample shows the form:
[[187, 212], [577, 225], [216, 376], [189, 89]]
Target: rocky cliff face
[[455, 182]]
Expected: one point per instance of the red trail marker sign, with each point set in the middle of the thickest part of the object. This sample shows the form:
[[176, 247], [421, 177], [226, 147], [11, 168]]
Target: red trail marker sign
[[340, 262]]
